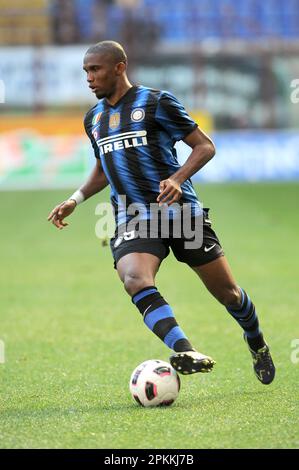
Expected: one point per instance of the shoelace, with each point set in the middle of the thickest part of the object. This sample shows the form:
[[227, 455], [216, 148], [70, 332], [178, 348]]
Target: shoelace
[[265, 358]]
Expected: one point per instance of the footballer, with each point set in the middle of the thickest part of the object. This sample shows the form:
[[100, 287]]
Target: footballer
[[132, 130]]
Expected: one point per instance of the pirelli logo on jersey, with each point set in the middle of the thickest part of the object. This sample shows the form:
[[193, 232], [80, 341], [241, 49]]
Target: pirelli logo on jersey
[[122, 141]]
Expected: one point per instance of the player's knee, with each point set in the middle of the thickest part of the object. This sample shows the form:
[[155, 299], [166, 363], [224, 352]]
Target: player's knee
[[230, 297], [134, 282]]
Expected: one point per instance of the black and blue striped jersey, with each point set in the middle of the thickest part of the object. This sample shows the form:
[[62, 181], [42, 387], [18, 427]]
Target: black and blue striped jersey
[[135, 141]]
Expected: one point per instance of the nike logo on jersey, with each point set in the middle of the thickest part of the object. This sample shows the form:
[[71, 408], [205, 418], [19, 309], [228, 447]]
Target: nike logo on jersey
[[122, 141], [209, 248]]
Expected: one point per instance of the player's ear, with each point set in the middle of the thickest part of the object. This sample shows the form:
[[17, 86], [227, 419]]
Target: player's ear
[[120, 68]]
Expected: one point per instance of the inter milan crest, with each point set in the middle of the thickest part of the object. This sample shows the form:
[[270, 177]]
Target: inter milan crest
[[137, 114], [114, 120], [96, 118]]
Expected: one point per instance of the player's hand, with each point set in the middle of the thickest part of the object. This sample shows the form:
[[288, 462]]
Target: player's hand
[[58, 214], [170, 192]]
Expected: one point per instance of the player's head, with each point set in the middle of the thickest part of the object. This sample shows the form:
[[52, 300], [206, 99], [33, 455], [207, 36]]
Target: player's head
[[105, 64]]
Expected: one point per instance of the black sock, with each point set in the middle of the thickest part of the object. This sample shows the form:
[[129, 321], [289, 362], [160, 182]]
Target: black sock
[[158, 316], [256, 343]]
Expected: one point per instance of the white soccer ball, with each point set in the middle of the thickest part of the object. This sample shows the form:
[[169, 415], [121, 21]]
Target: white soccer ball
[[154, 383]]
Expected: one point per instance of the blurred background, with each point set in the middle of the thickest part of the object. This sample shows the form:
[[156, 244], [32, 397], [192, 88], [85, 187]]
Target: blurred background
[[71, 335], [233, 63]]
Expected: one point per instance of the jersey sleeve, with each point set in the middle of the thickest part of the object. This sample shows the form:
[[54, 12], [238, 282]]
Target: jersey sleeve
[[173, 117], [87, 127]]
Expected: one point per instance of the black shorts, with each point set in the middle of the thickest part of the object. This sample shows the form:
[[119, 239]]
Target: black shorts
[[124, 243]]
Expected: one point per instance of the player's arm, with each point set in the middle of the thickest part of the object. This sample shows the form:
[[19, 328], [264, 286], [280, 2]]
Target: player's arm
[[95, 183], [203, 150]]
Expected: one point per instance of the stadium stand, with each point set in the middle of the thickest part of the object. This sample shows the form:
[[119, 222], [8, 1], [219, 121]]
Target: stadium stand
[[221, 19], [83, 21], [25, 22]]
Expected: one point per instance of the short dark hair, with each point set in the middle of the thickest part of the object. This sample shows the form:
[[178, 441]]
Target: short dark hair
[[113, 48]]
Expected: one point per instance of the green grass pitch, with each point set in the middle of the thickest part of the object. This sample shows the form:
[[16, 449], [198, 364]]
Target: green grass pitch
[[72, 336]]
